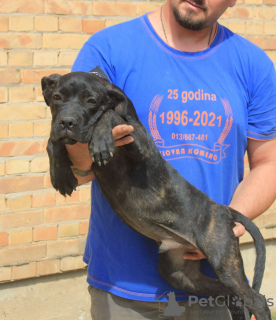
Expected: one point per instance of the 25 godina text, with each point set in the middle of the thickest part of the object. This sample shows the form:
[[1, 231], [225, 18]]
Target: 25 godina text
[[202, 118], [191, 95]]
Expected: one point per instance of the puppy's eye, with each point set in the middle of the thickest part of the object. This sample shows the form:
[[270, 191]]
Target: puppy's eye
[[93, 101], [56, 97]]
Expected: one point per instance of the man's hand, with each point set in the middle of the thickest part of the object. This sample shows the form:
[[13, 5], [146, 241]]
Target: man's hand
[[79, 153], [239, 230], [120, 135]]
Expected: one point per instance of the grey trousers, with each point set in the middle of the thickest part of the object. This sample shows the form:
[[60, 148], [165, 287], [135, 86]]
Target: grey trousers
[[106, 306]]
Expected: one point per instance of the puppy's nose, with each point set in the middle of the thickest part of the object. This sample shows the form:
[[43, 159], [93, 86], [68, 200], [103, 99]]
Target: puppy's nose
[[68, 123]]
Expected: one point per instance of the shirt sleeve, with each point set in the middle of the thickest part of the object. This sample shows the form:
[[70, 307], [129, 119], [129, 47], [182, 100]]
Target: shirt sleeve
[[92, 56], [262, 106]]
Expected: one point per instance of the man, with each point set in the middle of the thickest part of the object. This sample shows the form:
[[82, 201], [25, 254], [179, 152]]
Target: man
[[206, 95]]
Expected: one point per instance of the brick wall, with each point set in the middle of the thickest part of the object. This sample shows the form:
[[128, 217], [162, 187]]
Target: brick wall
[[40, 231]]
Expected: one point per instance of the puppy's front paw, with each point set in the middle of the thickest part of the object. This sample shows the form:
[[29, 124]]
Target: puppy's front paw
[[62, 178], [101, 147]]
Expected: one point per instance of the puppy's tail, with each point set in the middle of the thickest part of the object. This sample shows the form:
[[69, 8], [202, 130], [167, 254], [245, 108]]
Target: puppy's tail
[[259, 245]]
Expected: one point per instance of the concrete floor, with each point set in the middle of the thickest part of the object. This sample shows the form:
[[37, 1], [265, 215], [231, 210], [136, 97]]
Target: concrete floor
[[65, 296], [59, 297]]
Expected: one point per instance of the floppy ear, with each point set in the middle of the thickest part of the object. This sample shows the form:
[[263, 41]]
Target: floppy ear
[[118, 100], [48, 84]]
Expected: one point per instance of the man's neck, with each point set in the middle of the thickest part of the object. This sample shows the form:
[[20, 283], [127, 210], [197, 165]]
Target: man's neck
[[171, 32]]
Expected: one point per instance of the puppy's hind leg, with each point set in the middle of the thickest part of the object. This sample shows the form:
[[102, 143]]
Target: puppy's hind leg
[[186, 275], [226, 261]]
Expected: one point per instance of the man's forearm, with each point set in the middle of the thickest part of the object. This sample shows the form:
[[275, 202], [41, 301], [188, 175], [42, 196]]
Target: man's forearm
[[82, 162], [256, 192], [83, 175]]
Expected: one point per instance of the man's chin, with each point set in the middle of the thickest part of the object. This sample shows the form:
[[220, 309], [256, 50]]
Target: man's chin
[[189, 20]]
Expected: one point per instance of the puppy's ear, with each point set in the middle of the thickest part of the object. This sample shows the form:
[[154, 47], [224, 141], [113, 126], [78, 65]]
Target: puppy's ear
[[118, 101], [116, 94], [48, 84]]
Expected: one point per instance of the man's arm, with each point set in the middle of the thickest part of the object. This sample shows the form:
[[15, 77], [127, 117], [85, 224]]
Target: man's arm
[[79, 154], [257, 191]]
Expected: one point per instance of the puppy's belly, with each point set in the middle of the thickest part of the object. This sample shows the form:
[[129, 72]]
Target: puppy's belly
[[170, 244]]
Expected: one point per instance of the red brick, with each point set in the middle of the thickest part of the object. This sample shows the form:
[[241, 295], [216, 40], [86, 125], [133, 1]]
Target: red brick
[[47, 267], [16, 166], [92, 26], [3, 60], [237, 13], [69, 24], [74, 198], [22, 6], [20, 58], [4, 130], [21, 219], [21, 94], [68, 7], [40, 164], [2, 168], [46, 23], [47, 181], [5, 274], [4, 23], [64, 40], [38, 94], [17, 40], [64, 248], [112, 21], [45, 233], [263, 13], [21, 236], [21, 129], [85, 194], [22, 112], [42, 129], [19, 148], [144, 7], [21, 23], [73, 212], [4, 241], [24, 254], [266, 43], [84, 226], [9, 76], [24, 271], [269, 28], [68, 230], [3, 95], [114, 8], [34, 76], [22, 202], [270, 219], [20, 184], [3, 206], [43, 199], [67, 58], [45, 58], [71, 263]]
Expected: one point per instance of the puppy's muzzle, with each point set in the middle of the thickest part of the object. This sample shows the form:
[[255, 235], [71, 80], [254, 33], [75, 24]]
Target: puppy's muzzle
[[68, 123]]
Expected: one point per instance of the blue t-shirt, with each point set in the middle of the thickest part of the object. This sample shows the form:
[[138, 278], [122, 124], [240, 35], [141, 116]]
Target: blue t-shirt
[[199, 108]]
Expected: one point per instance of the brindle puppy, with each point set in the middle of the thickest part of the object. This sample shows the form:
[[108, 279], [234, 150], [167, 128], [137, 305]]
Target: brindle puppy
[[147, 193]]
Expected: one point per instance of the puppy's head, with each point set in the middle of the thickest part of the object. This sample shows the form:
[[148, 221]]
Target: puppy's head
[[77, 101]]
